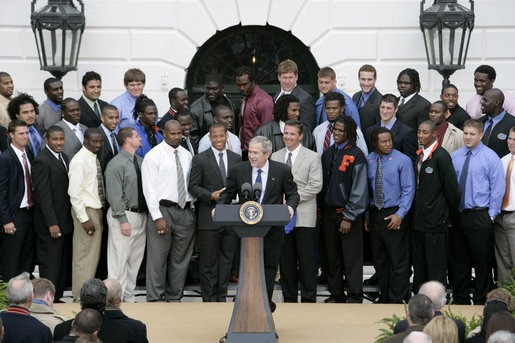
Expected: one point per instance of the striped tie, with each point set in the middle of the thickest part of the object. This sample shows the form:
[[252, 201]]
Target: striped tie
[[100, 183], [181, 189], [328, 134]]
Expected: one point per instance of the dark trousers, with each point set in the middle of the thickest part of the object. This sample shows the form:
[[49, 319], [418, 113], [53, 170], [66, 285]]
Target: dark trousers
[[299, 247], [391, 256], [345, 256], [17, 253], [472, 247], [272, 244], [54, 257], [216, 252], [429, 252]]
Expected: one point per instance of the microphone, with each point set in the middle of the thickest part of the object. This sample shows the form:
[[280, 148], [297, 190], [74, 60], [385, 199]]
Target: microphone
[[258, 187], [246, 189]]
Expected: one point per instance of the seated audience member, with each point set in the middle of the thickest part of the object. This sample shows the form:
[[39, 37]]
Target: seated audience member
[[145, 115], [286, 108], [86, 323], [88, 339], [437, 293], [178, 101], [457, 115], [491, 307], [448, 136], [442, 330], [503, 295], [420, 312], [502, 336], [43, 302], [113, 311], [187, 142], [223, 115], [134, 81], [93, 295], [500, 321], [417, 337], [19, 325]]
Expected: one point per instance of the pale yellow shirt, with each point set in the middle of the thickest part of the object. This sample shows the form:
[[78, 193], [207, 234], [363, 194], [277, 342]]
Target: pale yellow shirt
[[4, 116], [83, 185]]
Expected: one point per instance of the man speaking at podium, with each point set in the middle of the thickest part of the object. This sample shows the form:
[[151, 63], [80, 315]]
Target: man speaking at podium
[[278, 187]]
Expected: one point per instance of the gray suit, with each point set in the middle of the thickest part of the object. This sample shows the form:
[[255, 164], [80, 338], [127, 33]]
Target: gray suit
[[47, 116], [299, 245], [71, 143]]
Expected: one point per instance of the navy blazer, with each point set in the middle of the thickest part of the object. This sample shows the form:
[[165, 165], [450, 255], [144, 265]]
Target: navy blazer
[[369, 114], [308, 112], [404, 139], [414, 112]]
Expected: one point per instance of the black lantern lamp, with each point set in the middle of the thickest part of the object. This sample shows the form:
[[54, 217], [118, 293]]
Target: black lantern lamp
[[446, 27], [58, 29]]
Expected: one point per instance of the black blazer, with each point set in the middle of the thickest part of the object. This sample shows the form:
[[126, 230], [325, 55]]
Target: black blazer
[[499, 135], [88, 117], [12, 185], [4, 140], [414, 112], [51, 199], [279, 182], [307, 114], [138, 328], [404, 139], [369, 114], [110, 331], [193, 142], [106, 153], [205, 178]]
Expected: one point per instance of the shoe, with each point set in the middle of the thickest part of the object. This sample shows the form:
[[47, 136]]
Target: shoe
[[273, 306], [332, 300], [233, 279]]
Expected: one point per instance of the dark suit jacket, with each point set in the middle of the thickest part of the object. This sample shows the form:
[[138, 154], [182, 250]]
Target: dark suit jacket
[[110, 331], [72, 144], [67, 339], [414, 112], [279, 182], [12, 185], [88, 117], [4, 141], [106, 153], [50, 181], [499, 134], [205, 178], [139, 328], [404, 139], [369, 114], [193, 142], [308, 113], [24, 329]]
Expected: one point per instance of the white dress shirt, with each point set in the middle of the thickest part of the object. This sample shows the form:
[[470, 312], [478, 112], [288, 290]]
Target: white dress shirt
[[427, 151], [406, 99], [224, 157], [294, 154], [319, 134], [56, 155], [76, 129], [264, 177], [233, 143], [159, 176], [505, 161], [25, 200]]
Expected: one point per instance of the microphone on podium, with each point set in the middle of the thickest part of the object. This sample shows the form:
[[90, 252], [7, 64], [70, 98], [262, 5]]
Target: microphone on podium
[[246, 189], [258, 187]]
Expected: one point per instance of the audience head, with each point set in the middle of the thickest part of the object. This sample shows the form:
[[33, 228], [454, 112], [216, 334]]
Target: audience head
[[114, 294], [54, 90], [214, 87], [146, 110], [184, 118], [44, 289], [6, 85], [93, 295], [287, 73], [381, 140], [110, 117], [501, 294], [92, 85], [172, 133], [500, 321], [450, 96], [345, 130], [435, 291], [88, 339], [417, 337], [245, 80], [134, 81], [490, 308], [442, 329], [408, 82], [87, 322], [426, 133], [223, 115], [178, 99], [326, 80], [23, 107], [367, 76], [420, 310], [20, 291], [70, 110], [502, 336], [287, 107], [484, 78]]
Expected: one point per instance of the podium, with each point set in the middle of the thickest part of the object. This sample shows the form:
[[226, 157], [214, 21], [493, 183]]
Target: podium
[[251, 320]]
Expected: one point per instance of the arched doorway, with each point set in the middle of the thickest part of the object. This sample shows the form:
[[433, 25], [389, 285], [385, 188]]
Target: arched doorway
[[261, 47]]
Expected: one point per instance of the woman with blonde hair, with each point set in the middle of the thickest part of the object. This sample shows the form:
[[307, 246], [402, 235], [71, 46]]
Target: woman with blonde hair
[[442, 329]]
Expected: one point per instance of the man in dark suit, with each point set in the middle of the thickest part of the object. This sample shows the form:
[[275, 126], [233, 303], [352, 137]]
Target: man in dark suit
[[187, 142], [24, 107], [52, 215], [110, 119], [216, 243], [277, 182], [413, 108], [86, 322], [16, 203], [497, 122], [404, 137], [369, 98], [93, 295], [73, 130], [288, 74], [113, 311], [90, 104]]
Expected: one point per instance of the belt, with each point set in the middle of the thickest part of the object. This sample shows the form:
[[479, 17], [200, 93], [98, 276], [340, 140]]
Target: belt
[[476, 209], [26, 208], [384, 208], [135, 210], [507, 212], [168, 203]]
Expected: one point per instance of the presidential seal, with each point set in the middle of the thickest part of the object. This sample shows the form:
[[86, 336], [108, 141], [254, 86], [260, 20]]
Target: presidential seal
[[251, 212]]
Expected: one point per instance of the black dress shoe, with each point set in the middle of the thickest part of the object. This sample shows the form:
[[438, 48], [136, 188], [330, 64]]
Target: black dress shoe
[[333, 300], [273, 306]]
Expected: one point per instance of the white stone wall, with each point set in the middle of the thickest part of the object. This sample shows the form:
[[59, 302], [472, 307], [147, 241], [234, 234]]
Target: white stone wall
[[162, 36]]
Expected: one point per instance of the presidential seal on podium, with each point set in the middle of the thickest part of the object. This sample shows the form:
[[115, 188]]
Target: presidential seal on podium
[[251, 212]]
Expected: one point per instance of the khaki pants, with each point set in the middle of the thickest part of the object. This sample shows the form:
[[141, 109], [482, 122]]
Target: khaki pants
[[124, 254], [86, 250]]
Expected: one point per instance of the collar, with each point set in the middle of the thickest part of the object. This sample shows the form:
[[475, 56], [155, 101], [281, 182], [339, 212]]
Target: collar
[[390, 124], [91, 103], [40, 301], [287, 92], [127, 154], [53, 152], [18, 310], [476, 150], [106, 130], [295, 151], [216, 151], [129, 96], [89, 153], [53, 105], [429, 150], [18, 152], [408, 98], [70, 125], [497, 118], [341, 146], [172, 111], [367, 95], [264, 168]]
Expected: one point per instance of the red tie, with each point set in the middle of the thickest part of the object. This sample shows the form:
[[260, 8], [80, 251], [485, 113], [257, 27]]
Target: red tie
[[27, 179], [327, 139], [506, 198]]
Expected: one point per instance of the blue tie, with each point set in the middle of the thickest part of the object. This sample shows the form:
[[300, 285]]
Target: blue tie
[[258, 180], [35, 139], [463, 181]]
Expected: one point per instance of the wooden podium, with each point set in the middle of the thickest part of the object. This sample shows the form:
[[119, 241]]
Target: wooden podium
[[251, 320]]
